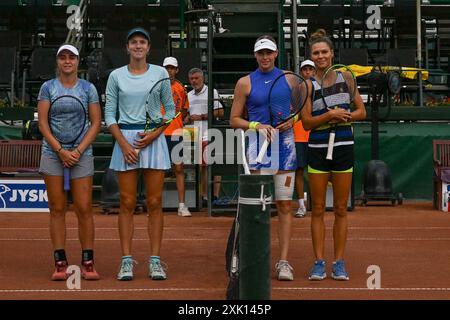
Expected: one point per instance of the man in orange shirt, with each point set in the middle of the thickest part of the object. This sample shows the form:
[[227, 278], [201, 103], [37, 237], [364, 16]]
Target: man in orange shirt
[[307, 70], [175, 129]]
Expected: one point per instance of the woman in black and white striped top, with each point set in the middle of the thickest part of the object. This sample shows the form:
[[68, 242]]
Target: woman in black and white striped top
[[318, 119]]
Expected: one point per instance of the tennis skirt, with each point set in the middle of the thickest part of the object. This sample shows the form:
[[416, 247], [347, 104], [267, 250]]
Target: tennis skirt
[[51, 165], [154, 156], [281, 153]]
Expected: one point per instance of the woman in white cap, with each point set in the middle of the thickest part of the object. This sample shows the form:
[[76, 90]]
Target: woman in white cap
[[126, 94], [79, 158], [251, 97]]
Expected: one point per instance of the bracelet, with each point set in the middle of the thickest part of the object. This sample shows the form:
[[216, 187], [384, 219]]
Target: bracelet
[[59, 150], [78, 150], [253, 124]]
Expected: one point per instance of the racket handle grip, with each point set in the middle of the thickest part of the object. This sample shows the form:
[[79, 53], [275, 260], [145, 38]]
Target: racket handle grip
[[66, 173], [330, 146], [263, 151]]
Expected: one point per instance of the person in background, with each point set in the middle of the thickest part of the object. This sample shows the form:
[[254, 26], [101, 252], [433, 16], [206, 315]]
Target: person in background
[[174, 132], [198, 115], [307, 70]]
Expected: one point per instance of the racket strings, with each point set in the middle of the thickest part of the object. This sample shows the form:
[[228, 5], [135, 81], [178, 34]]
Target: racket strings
[[337, 90], [153, 114], [287, 96], [67, 119]]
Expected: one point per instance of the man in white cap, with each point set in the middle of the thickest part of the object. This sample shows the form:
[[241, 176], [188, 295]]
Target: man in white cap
[[175, 129], [307, 70]]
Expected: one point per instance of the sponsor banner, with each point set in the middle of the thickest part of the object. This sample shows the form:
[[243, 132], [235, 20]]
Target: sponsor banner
[[445, 197], [23, 196]]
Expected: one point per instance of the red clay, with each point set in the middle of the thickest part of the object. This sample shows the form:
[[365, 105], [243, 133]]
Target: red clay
[[410, 243]]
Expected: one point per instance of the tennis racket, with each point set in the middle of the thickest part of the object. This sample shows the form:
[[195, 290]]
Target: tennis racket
[[67, 118], [153, 115], [287, 96], [337, 88]]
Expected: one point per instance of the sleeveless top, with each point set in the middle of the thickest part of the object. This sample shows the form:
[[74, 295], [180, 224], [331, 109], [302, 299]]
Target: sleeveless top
[[318, 137]]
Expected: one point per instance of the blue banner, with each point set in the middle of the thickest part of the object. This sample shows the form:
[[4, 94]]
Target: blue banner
[[23, 196]]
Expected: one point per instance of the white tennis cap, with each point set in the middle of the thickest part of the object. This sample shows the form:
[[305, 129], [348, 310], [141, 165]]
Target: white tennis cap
[[170, 61], [265, 44], [307, 63], [68, 47]]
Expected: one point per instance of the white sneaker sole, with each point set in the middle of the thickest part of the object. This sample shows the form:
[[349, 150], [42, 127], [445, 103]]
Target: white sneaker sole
[[340, 278], [317, 278], [285, 278]]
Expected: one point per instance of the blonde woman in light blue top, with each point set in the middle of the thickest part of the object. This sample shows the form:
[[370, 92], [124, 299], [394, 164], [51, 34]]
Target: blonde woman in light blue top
[[126, 95]]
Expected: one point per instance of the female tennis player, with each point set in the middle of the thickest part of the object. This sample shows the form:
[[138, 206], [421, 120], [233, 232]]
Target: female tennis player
[[319, 118], [136, 92], [251, 96], [69, 119]]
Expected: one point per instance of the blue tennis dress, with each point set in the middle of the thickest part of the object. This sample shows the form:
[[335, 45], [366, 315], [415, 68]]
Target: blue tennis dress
[[281, 153]]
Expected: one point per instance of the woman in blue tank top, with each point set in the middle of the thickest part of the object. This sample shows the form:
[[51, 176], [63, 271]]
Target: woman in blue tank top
[[251, 96], [317, 118]]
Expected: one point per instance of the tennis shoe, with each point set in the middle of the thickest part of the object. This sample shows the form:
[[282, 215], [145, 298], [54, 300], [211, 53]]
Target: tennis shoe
[[338, 271], [126, 269], [156, 270], [284, 270], [183, 211], [301, 212], [60, 273], [88, 271], [318, 271]]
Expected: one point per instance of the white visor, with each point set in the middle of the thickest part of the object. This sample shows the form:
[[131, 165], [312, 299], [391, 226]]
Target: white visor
[[68, 47], [265, 44]]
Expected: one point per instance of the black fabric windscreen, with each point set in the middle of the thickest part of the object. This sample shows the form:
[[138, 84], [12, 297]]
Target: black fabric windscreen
[[10, 39], [43, 63], [357, 56], [157, 56], [7, 58], [401, 57], [187, 59]]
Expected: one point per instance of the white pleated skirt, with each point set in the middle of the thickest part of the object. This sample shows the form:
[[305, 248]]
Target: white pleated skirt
[[154, 156]]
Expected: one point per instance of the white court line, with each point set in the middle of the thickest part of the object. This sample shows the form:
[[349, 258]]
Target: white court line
[[221, 239], [213, 289], [360, 289], [111, 239], [227, 228], [109, 290]]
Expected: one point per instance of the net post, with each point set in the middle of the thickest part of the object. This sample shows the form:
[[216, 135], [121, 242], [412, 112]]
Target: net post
[[254, 238]]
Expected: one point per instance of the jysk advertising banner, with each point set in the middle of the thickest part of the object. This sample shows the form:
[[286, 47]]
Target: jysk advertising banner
[[23, 196]]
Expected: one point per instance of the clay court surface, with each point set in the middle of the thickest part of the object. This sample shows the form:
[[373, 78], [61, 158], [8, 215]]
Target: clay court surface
[[410, 243]]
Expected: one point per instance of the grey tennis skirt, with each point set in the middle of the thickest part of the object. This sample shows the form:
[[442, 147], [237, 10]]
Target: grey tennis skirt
[[51, 165]]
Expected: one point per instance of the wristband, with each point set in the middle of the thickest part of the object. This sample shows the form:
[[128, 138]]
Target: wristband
[[59, 150], [253, 124], [78, 150], [296, 118]]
